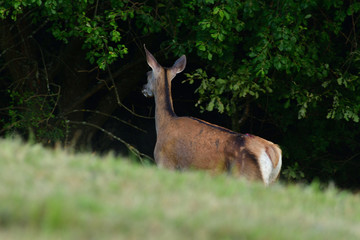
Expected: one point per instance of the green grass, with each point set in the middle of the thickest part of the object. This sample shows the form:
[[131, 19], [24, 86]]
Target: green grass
[[52, 194]]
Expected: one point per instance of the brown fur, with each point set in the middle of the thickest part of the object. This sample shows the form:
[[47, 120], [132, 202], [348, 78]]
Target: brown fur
[[185, 142]]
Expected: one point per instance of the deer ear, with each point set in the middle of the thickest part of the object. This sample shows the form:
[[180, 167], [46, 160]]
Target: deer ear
[[151, 60], [179, 65]]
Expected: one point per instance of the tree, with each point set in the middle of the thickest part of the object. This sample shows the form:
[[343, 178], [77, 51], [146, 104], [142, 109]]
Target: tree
[[295, 61], [286, 70], [54, 56]]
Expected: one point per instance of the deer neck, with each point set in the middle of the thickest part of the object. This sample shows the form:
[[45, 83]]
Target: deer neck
[[164, 110]]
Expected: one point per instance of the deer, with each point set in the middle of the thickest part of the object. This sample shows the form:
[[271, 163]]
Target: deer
[[191, 143]]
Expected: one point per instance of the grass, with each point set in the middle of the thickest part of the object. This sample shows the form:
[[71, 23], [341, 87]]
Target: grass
[[52, 194]]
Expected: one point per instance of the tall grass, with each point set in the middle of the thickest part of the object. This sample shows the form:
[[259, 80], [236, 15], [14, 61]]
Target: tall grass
[[52, 194]]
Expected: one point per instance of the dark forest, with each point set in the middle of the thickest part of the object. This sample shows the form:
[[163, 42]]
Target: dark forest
[[71, 73]]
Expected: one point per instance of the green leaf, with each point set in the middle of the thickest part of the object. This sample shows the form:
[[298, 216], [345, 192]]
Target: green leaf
[[202, 47], [287, 104], [227, 15], [211, 104], [339, 80], [220, 106]]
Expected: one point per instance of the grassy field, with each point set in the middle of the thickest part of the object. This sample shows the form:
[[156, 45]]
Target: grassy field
[[52, 194]]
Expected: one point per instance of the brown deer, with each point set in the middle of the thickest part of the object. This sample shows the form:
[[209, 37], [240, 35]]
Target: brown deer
[[187, 142]]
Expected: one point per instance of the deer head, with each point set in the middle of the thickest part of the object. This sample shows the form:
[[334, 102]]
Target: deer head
[[154, 76]]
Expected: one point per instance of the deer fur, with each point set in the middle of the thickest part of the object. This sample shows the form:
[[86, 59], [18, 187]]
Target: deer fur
[[187, 142]]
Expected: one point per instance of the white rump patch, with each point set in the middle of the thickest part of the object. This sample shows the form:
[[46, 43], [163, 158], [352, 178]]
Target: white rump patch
[[269, 173]]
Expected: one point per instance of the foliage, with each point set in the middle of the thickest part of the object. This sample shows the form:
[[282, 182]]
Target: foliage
[[298, 62], [79, 196], [293, 173], [279, 53], [295, 63], [34, 114], [97, 27]]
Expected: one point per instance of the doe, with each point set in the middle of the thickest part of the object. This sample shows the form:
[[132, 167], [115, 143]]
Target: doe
[[187, 142]]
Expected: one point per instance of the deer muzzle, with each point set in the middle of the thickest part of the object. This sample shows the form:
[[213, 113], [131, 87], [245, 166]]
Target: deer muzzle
[[146, 91]]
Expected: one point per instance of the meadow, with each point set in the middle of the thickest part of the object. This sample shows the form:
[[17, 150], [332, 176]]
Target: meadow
[[56, 194]]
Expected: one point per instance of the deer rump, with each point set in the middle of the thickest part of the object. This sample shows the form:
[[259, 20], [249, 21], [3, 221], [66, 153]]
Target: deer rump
[[200, 145]]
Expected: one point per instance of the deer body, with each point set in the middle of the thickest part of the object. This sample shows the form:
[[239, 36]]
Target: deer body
[[186, 142]]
